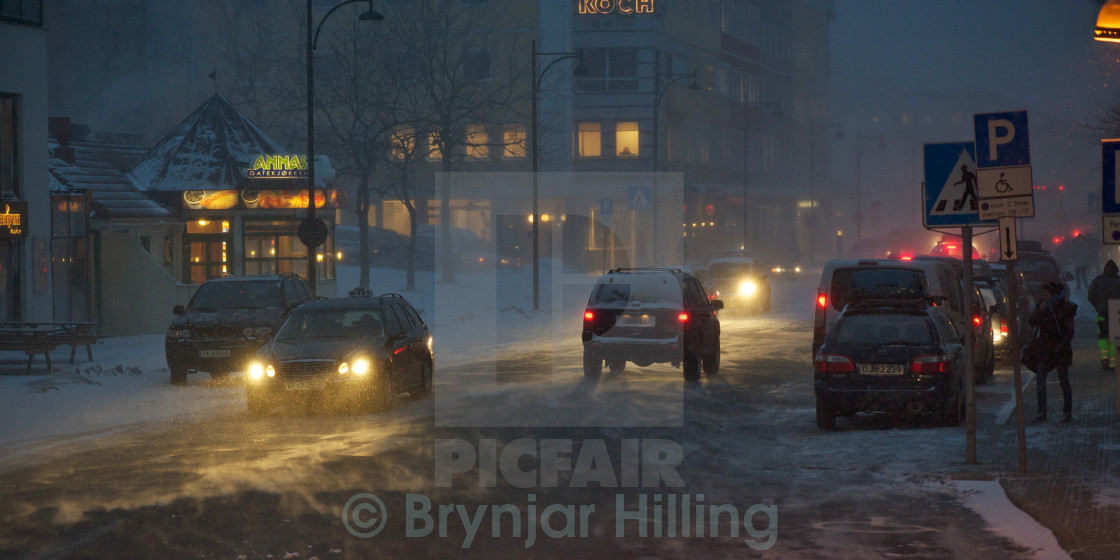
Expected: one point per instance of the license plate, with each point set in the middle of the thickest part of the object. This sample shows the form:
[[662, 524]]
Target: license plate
[[880, 369], [304, 385], [213, 353], [636, 320]]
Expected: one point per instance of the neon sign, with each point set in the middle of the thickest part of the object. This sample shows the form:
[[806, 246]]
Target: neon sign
[[278, 167], [12, 219], [625, 7]]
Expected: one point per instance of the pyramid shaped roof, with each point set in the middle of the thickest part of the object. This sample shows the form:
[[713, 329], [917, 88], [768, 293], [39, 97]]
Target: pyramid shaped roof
[[209, 150]]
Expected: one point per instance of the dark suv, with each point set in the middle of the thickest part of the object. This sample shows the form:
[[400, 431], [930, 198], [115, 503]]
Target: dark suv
[[227, 320], [648, 315]]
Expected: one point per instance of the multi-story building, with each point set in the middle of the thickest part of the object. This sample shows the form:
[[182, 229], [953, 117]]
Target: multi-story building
[[25, 221]]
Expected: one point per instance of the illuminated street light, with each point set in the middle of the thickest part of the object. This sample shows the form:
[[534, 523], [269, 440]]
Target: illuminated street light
[[312, 229], [1108, 22], [580, 70]]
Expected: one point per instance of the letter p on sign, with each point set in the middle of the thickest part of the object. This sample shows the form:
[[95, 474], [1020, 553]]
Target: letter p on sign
[[1002, 139], [995, 139]]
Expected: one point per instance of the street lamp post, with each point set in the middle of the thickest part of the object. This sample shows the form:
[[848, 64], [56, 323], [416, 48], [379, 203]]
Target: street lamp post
[[860, 138], [659, 92], [537, 80], [777, 112], [312, 231], [817, 129]]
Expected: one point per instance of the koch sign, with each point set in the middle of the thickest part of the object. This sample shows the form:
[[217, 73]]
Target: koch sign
[[1003, 161]]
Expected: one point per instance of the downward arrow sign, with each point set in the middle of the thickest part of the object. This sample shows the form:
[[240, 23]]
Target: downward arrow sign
[[1007, 236], [1007, 240]]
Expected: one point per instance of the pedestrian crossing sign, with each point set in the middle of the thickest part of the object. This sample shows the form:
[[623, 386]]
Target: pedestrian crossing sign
[[640, 198], [949, 196]]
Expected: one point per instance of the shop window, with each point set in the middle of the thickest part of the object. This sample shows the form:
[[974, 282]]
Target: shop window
[[273, 247], [589, 141], [207, 248], [70, 266], [513, 141], [626, 139], [434, 152], [9, 149], [477, 142]]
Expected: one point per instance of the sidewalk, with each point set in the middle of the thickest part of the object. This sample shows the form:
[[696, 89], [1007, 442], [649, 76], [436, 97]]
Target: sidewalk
[[1072, 484]]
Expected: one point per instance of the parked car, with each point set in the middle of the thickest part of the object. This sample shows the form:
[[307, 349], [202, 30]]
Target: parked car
[[650, 315], [843, 280], [892, 356], [998, 304], [362, 349], [1038, 269], [1026, 301], [227, 320], [742, 283]]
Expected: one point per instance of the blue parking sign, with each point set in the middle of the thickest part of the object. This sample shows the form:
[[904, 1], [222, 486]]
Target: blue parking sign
[[1002, 139], [606, 207]]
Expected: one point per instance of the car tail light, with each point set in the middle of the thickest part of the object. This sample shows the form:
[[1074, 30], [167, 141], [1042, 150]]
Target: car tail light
[[588, 316], [930, 363], [682, 317], [1003, 328], [822, 300], [833, 363], [976, 320]]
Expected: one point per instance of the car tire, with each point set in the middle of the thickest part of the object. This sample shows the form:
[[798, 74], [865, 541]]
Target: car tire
[[616, 365], [425, 388], [826, 417], [691, 366], [711, 361], [178, 376], [256, 403], [592, 364]]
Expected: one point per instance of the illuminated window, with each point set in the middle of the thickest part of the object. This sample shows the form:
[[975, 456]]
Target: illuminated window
[[402, 143], [513, 140], [477, 142], [434, 152], [590, 140], [626, 139]]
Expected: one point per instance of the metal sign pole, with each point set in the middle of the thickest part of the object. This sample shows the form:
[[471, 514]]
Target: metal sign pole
[[1016, 367], [970, 343]]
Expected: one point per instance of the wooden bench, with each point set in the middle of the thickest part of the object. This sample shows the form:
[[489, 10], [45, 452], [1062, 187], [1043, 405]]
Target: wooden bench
[[34, 338]]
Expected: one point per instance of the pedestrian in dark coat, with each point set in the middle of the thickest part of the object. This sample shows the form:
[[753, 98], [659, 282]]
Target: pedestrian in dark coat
[[1104, 287], [1054, 320]]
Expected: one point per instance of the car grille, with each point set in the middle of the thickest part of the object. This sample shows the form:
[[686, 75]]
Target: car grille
[[223, 331], [304, 368]]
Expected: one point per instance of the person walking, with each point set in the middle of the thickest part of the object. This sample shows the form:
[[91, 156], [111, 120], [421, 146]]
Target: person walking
[[1104, 287], [1054, 320]]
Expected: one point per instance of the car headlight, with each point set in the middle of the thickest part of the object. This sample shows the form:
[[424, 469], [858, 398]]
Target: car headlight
[[797, 269], [270, 371], [256, 370], [344, 368], [747, 288], [361, 366]]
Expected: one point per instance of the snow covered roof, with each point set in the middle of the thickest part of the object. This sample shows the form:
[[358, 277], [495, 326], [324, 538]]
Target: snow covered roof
[[209, 150], [99, 167]]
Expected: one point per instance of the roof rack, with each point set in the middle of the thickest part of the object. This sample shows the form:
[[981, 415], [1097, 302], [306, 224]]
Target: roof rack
[[646, 269], [392, 294]]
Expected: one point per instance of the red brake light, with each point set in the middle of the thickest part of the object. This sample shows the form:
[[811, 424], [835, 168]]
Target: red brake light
[[976, 320], [822, 300], [833, 363], [682, 317], [930, 363], [907, 257], [587, 315], [1003, 328]]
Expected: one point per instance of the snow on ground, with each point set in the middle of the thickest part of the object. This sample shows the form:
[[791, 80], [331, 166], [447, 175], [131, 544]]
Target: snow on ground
[[987, 498]]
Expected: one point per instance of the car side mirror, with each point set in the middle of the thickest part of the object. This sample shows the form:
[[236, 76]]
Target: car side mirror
[[717, 304], [178, 310]]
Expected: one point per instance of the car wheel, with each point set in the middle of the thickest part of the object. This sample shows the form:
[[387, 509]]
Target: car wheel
[[616, 365], [826, 417], [592, 364], [178, 376], [425, 389], [691, 366], [711, 361], [256, 403]]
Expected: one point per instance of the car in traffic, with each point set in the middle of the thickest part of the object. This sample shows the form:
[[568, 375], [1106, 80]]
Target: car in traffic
[[893, 356], [1024, 303], [227, 320], [360, 350], [742, 283], [647, 316], [1038, 268], [998, 305]]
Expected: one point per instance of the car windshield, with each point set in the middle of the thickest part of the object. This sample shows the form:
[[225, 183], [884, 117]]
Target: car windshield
[[884, 329], [253, 294], [877, 283], [652, 291], [331, 323], [730, 269], [1038, 267]]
